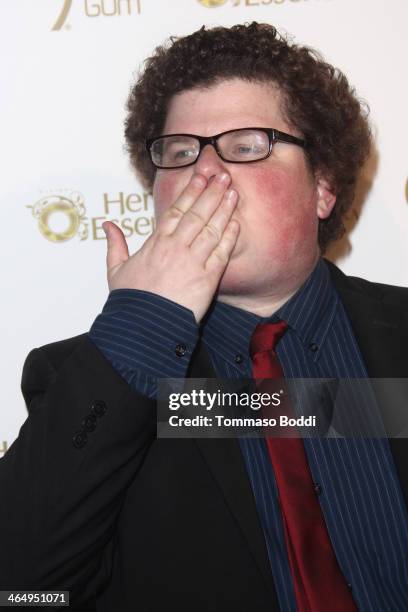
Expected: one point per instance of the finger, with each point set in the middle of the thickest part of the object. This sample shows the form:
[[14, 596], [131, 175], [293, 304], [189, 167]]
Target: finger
[[211, 234], [219, 258], [198, 215], [171, 218], [118, 251]]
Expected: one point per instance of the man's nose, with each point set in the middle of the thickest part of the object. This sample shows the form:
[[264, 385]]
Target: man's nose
[[209, 163]]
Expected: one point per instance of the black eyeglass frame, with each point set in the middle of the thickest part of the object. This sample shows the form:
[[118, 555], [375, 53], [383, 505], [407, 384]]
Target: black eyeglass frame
[[273, 136]]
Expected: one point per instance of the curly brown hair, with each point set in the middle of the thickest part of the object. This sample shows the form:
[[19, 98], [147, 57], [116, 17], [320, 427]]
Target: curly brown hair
[[318, 101]]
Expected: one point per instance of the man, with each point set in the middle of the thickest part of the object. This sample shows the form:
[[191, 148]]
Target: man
[[252, 148]]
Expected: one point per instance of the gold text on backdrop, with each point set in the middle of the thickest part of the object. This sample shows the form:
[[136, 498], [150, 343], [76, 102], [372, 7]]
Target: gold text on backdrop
[[250, 3], [98, 8], [62, 215]]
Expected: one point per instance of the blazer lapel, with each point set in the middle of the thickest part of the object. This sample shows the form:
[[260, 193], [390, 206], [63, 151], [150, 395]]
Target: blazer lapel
[[224, 458], [381, 331], [379, 327]]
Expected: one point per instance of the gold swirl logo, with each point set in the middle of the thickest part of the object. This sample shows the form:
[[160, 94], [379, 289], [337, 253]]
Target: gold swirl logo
[[212, 3], [58, 207], [62, 17]]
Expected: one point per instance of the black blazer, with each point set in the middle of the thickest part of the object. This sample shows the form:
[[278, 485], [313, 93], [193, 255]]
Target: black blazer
[[143, 524]]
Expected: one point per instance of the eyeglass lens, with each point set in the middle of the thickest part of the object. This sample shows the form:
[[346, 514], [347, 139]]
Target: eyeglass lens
[[238, 145]]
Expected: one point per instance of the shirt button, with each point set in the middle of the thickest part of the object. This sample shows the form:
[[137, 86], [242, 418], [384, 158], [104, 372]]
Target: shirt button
[[313, 347], [317, 488], [350, 586], [180, 350], [238, 359]]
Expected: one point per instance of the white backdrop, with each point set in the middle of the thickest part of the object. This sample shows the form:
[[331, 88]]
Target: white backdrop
[[66, 71]]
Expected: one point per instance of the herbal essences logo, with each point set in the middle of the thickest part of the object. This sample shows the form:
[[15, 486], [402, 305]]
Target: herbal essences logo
[[97, 8], [61, 216], [217, 3]]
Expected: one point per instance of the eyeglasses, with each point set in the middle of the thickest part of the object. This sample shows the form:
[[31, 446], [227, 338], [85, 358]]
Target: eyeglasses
[[240, 146]]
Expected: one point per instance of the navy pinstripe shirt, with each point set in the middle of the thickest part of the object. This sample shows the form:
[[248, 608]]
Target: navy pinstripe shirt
[[361, 498]]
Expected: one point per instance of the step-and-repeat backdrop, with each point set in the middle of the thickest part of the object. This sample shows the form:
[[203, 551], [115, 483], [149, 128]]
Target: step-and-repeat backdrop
[[67, 66]]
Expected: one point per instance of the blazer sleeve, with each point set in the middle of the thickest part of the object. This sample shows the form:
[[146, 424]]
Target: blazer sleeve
[[64, 479]]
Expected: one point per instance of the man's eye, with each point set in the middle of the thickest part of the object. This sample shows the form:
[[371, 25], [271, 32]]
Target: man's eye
[[246, 150], [176, 154], [183, 153]]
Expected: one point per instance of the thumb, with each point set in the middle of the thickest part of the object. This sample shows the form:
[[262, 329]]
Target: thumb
[[118, 251]]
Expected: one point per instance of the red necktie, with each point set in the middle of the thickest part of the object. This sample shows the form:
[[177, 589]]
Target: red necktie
[[318, 582]]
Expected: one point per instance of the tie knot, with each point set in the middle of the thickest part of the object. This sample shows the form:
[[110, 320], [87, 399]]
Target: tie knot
[[266, 336]]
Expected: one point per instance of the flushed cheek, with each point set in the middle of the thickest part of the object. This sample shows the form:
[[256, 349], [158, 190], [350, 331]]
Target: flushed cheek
[[282, 189], [269, 186], [290, 236], [284, 211]]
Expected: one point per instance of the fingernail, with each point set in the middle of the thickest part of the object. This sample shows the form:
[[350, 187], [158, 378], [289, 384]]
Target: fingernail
[[231, 195], [223, 177], [199, 181]]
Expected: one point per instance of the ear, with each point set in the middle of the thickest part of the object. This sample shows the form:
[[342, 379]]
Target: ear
[[326, 198]]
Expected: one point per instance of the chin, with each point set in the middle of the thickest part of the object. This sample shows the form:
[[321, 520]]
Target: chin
[[237, 279]]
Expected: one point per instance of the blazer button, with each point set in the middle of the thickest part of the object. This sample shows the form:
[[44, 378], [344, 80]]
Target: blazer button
[[80, 439], [89, 422], [98, 408]]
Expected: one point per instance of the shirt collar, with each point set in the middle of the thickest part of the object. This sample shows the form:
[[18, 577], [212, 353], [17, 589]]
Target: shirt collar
[[309, 313]]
